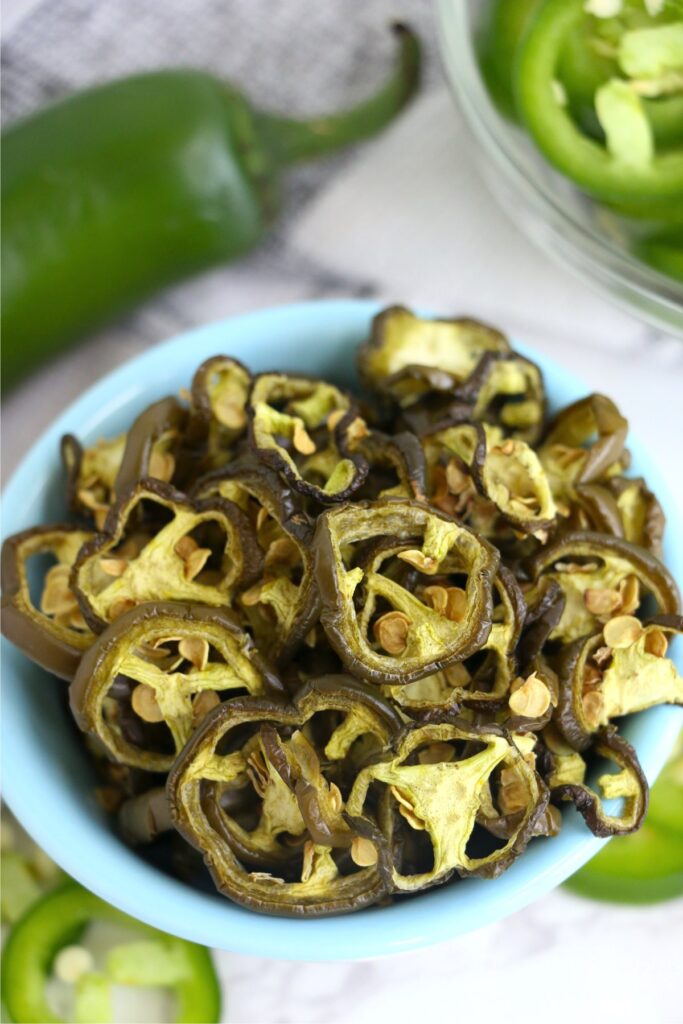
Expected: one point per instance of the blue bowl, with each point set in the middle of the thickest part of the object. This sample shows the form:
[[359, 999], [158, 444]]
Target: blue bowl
[[47, 780]]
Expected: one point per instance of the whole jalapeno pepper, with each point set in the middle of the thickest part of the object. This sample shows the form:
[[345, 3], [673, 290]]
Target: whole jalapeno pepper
[[162, 175]]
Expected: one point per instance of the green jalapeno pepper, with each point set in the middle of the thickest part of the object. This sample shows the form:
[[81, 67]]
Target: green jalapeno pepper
[[622, 172], [55, 922], [167, 173]]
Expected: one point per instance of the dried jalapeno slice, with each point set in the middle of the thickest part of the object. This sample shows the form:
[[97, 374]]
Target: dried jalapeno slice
[[396, 466], [436, 782], [507, 391], [220, 389], [91, 475], [158, 545], [372, 612], [261, 792], [307, 430], [407, 356], [475, 472], [152, 444], [282, 605], [481, 681], [628, 785], [616, 672], [601, 576], [153, 675], [584, 443], [50, 630]]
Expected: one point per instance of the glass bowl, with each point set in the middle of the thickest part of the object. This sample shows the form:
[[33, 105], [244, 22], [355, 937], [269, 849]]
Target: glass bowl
[[561, 219]]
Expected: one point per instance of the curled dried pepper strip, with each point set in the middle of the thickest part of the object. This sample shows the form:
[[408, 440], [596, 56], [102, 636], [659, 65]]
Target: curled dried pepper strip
[[628, 785], [396, 466], [198, 551], [393, 636], [54, 634], [153, 675]]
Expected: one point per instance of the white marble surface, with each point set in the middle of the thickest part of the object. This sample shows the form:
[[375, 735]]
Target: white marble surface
[[408, 218]]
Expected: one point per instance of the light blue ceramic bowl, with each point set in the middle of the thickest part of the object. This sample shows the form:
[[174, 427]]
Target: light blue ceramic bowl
[[47, 780]]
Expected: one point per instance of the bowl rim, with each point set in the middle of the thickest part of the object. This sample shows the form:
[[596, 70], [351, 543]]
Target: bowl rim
[[71, 832], [658, 296]]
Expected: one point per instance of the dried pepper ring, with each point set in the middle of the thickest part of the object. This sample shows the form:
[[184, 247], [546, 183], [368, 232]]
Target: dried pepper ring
[[284, 770], [306, 430], [191, 551], [601, 576], [153, 675], [567, 781], [505, 472], [393, 636], [616, 672], [283, 605], [435, 784], [54, 635]]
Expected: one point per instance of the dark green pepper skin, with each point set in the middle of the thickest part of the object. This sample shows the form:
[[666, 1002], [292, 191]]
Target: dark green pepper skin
[[118, 191], [121, 190]]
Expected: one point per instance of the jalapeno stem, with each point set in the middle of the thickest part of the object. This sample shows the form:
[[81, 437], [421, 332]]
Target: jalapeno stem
[[292, 141]]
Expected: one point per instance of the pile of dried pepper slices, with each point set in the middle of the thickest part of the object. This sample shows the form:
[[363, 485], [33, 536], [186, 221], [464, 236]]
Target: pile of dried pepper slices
[[350, 648]]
